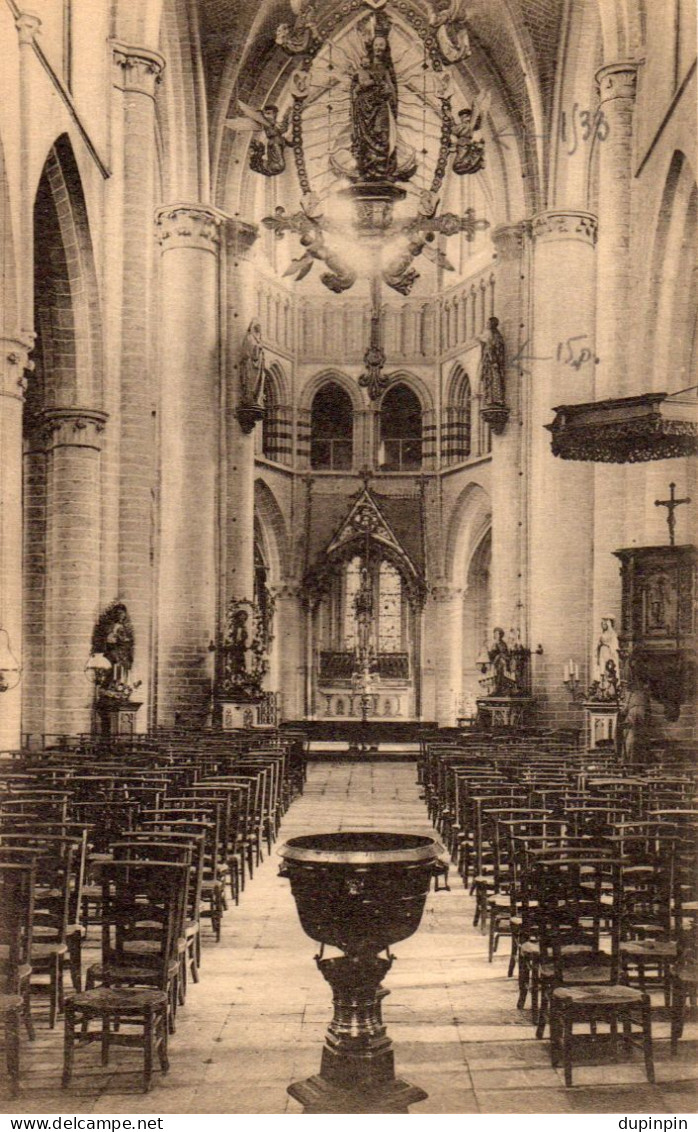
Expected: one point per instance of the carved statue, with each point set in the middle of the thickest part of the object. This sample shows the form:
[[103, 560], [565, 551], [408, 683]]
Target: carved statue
[[252, 367], [468, 146], [363, 612], [376, 152], [243, 658], [268, 157], [239, 642], [303, 37], [607, 657], [500, 662], [113, 638], [451, 30], [493, 365]]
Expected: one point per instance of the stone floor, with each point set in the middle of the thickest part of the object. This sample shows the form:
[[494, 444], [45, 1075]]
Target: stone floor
[[256, 1021]]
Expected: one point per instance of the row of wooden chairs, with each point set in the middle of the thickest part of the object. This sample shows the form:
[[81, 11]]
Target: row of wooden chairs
[[177, 824], [590, 869]]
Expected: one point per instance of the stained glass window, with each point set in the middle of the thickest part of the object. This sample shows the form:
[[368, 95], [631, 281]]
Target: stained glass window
[[389, 609], [353, 581]]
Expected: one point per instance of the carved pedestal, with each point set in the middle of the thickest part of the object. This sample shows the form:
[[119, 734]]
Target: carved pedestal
[[117, 718], [600, 724], [357, 1072], [234, 715], [504, 712]]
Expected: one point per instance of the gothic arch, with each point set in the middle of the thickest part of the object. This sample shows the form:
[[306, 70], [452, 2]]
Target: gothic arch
[[458, 385], [279, 384], [415, 384], [273, 529], [74, 337], [314, 383], [672, 295], [470, 519]]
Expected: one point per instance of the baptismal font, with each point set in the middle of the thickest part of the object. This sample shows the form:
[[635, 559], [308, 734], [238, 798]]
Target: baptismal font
[[360, 892]]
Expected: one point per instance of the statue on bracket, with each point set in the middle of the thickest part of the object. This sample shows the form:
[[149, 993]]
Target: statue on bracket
[[252, 370], [493, 377]]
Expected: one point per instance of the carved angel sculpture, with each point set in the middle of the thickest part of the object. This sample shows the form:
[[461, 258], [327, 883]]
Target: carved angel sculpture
[[268, 157], [303, 37], [469, 149], [451, 31], [308, 225]]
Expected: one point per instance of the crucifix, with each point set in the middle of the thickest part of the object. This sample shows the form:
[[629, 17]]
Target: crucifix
[[671, 504]]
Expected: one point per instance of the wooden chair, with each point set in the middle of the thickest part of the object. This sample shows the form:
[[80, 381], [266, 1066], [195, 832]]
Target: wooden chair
[[142, 913], [17, 902], [581, 986], [56, 871]]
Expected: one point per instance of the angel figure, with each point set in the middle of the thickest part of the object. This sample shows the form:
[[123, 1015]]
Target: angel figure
[[469, 149], [268, 158], [451, 30], [303, 37]]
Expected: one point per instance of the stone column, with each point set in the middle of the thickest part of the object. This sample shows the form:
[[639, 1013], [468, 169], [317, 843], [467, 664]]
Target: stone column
[[73, 445], [189, 235], [560, 493], [447, 650], [289, 645], [13, 363], [137, 71], [507, 517], [238, 540], [617, 84]]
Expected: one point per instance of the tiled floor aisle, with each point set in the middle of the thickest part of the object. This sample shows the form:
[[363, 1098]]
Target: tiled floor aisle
[[257, 1019]]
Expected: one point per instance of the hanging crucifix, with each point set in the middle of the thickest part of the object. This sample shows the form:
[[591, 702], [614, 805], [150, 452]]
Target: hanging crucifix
[[671, 504]]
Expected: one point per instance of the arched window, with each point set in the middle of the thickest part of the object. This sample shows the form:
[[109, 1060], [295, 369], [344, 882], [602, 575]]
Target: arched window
[[269, 423], [401, 430], [331, 429], [389, 604], [455, 436]]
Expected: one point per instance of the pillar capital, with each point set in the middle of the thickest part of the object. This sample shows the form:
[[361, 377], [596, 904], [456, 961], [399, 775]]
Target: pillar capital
[[617, 80], [27, 24], [561, 224], [240, 237], [74, 428], [140, 68], [184, 225], [14, 366], [509, 239]]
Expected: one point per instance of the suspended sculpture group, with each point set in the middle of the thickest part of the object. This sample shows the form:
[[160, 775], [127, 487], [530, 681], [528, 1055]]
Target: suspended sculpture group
[[368, 153]]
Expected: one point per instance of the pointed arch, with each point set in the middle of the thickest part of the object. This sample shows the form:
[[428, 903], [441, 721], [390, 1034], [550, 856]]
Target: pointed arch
[[67, 301], [272, 528], [470, 519], [456, 442], [672, 284]]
